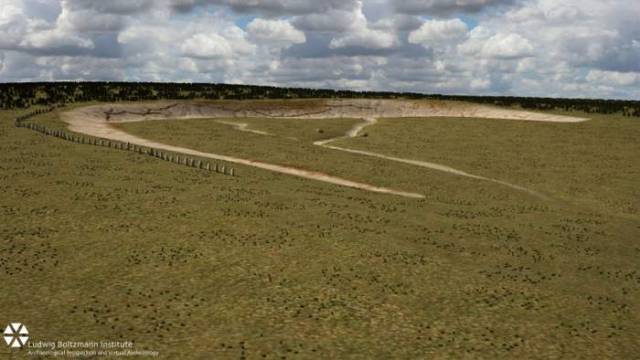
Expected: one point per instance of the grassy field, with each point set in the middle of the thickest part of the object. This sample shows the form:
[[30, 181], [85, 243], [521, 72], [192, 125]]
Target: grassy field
[[595, 163], [99, 244]]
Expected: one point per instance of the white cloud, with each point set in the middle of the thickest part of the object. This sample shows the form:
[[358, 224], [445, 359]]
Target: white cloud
[[520, 47], [207, 46], [275, 31], [436, 32], [480, 84], [359, 33], [615, 78], [9, 11], [366, 38], [507, 46], [55, 40]]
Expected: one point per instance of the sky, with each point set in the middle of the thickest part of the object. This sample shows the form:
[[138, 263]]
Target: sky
[[551, 48]]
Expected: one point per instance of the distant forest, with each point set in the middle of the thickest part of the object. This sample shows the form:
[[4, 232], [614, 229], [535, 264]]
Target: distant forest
[[24, 95]]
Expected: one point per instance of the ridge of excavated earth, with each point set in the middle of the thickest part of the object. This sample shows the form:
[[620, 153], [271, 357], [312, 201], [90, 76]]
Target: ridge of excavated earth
[[97, 121]]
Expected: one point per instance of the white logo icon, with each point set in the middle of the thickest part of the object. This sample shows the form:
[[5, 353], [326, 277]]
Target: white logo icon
[[16, 335]]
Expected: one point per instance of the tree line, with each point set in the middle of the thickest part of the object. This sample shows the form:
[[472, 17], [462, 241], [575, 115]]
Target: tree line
[[25, 95]]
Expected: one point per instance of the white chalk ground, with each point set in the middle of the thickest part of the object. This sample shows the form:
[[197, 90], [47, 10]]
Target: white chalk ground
[[96, 121], [244, 127]]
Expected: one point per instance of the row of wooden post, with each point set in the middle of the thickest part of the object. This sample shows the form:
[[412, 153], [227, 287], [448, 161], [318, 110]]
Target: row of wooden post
[[20, 119], [173, 158]]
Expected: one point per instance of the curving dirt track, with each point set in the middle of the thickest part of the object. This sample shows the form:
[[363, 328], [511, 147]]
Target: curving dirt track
[[425, 164], [244, 127], [96, 121]]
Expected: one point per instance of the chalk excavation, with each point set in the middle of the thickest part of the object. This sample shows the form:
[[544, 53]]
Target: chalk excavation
[[97, 121]]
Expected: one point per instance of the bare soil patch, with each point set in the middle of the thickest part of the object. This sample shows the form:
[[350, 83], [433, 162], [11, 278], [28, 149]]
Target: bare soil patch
[[96, 121]]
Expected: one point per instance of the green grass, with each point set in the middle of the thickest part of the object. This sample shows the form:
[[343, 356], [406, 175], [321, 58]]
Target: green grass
[[211, 136], [103, 244], [593, 163]]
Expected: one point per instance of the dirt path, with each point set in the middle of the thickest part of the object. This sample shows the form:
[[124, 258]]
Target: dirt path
[[96, 121], [244, 127], [356, 130], [102, 129]]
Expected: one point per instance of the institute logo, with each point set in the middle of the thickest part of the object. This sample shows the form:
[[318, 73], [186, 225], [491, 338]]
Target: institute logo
[[16, 335]]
